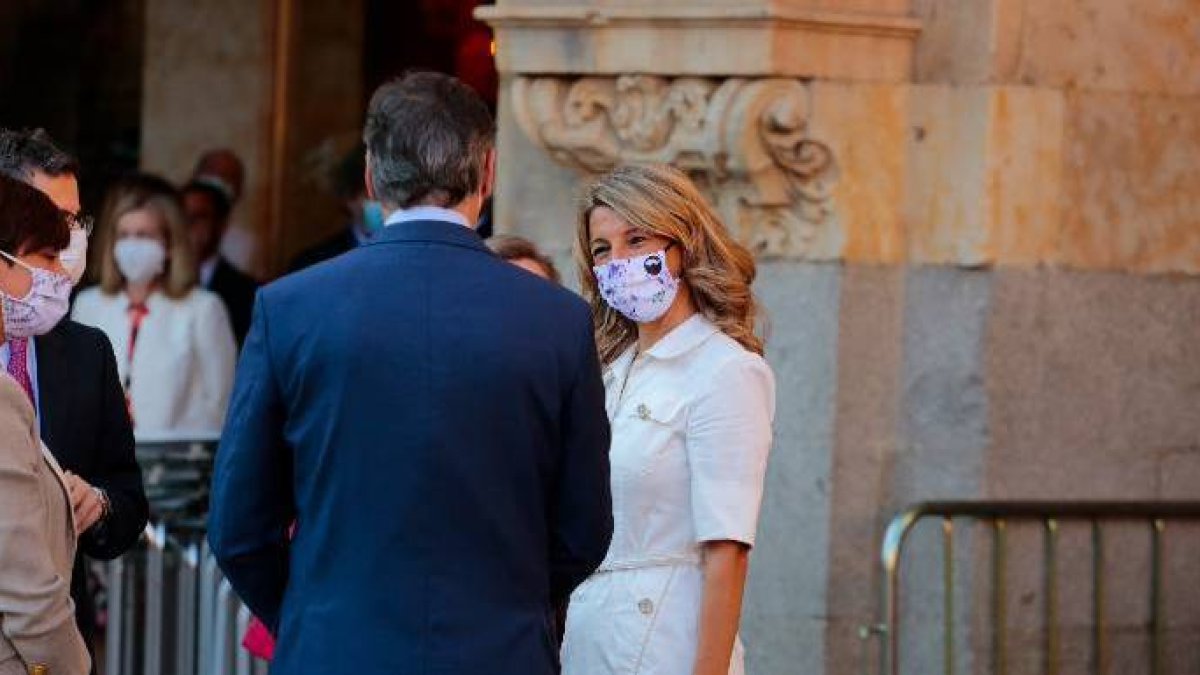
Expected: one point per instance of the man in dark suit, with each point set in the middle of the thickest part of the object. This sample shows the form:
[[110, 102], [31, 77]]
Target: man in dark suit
[[207, 209], [79, 399], [429, 416], [363, 217]]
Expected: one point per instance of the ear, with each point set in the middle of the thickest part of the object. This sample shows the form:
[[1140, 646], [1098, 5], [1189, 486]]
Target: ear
[[489, 174], [368, 181]]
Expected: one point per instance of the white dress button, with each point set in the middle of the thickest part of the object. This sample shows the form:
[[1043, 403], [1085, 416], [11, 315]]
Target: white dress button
[[646, 606]]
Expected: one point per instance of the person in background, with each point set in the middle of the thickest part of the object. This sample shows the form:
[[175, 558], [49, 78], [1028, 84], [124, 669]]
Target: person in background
[[524, 254], [691, 402], [207, 210], [72, 376], [37, 523], [175, 349], [364, 217]]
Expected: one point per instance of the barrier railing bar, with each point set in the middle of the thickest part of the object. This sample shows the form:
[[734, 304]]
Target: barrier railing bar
[[116, 617], [1098, 622], [1157, 623], [999, 597], [1051, 599], [157, 539], [1049, 513], [948, 595], [185, 626]]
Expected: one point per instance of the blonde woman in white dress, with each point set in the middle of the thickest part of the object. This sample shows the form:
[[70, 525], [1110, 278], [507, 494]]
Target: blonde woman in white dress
[[691, 403], [173, 340]]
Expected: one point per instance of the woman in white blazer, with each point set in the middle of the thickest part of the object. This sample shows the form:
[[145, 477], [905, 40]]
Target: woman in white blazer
[[174, 346], [37, 524]]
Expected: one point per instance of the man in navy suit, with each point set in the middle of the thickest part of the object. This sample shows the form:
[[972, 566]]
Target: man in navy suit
[[429, 416]]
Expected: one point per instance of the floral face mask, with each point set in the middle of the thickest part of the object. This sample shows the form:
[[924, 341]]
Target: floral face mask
[[641, 288]]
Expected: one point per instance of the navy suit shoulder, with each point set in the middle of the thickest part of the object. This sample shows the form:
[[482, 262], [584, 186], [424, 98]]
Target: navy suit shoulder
[[331, 247], [432, 418]]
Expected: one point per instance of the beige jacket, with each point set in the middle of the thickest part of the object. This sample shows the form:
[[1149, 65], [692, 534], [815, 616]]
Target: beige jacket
[[37, 547]]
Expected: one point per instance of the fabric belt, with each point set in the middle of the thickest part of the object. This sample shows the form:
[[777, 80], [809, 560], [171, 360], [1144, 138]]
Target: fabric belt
[[670, 560]]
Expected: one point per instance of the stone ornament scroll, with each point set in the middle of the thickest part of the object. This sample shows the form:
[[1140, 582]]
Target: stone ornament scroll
[[746, 142]]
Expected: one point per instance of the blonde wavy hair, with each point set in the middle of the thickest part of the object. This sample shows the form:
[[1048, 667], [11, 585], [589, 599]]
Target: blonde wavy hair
[[128, 196], [717, 270]]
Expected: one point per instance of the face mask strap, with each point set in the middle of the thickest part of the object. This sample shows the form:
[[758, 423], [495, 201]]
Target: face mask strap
[[18, 262]]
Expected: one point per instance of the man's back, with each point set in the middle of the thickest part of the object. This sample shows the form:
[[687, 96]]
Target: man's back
[[436, 418]]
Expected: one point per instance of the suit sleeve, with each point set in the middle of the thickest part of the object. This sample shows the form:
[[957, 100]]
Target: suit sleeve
[[116, 470], [36, 614], [252, 499], [583, 518]]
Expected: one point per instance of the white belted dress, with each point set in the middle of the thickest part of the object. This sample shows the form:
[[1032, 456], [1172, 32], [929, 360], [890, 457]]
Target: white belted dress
[[691, 429]]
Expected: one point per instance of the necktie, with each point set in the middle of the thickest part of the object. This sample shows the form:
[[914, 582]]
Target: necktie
[[137, 314], [18, 364]]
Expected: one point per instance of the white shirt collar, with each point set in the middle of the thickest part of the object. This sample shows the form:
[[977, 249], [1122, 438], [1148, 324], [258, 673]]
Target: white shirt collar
[[426, 213], [684, 337]]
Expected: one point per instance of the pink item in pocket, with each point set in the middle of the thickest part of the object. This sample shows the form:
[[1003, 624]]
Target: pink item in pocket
[[258, 640]]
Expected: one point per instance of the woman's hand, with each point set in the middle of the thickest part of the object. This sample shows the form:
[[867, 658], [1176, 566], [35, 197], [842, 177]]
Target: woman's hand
[[725, 565]]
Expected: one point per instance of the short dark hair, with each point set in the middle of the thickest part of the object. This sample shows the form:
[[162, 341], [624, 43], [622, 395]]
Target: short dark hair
[[220, 200], [23, 152], [29, 221], [511, 247], [427, 138]]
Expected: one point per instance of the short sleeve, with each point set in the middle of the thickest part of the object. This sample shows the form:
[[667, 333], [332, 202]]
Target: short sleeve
[[728, 440]]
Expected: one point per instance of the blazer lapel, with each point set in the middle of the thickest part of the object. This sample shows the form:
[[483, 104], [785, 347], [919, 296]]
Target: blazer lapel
[[54, 390]]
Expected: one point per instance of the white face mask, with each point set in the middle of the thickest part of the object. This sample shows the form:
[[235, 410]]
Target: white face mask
[[43, 306], [139, 259], [642, 288], [74, 256]]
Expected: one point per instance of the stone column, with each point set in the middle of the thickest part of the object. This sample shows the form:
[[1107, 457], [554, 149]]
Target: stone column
[[978, 250], [792, 116]]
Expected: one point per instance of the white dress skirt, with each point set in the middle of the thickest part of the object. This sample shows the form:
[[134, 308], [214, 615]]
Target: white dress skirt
[[691, 431]]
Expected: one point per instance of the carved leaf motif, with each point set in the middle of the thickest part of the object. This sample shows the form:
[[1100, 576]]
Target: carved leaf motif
[[746, 142]]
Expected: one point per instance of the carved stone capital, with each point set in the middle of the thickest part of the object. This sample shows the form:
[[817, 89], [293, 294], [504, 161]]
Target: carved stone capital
[[745, 141]]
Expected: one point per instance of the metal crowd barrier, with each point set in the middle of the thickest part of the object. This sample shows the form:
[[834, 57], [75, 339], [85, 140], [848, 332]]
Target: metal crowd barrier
[[171, 612], [998, 514]]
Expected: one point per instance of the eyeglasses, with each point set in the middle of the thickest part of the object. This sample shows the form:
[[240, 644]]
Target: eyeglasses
[[80, 221]]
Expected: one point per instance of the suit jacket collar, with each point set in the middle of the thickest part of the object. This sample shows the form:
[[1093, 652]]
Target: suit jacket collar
[[429, 231], [54, 384]]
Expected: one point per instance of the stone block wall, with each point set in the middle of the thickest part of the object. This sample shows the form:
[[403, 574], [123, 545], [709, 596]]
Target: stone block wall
[[1002, 301]]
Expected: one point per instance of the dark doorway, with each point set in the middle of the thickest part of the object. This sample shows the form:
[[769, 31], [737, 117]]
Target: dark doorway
[[439, 35]]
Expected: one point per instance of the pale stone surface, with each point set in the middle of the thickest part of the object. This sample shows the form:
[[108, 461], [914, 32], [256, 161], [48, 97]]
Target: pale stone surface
[[871, 324], [984, 175], [1112, 45], [716, 38], [1130, 180], [947, 175], [786, 598], [908, 382], [1091, 388], [1109, 45], [957, 41], [1023, 196], [324, 116], [213, 57], [535, 197], [217, 57], [866, 129], [746, 142]]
